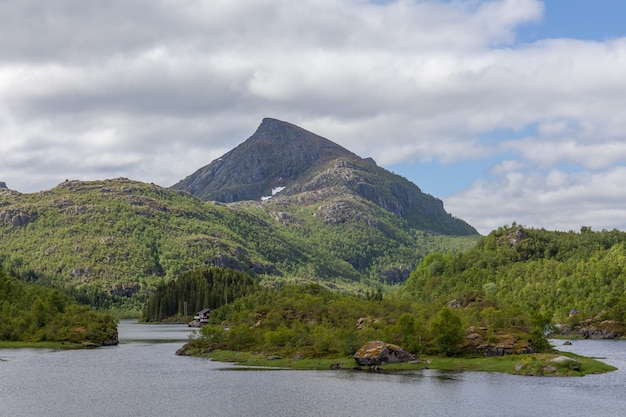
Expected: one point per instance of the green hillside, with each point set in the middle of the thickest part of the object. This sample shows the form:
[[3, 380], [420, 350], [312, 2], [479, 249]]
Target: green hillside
[[33, 313], [501, 297], [535, 270], [285, 162], [112, 242]]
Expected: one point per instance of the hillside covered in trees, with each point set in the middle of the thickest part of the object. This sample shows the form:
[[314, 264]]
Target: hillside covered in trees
[[33, 313], [311, 321], [535, 270], [501, 297], [197, 289], [110, 243]]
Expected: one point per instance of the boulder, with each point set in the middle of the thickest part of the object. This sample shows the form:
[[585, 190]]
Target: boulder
[[567, 362], [375, 353]]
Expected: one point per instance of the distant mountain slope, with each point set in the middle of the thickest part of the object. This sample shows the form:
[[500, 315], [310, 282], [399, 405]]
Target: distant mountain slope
[[295, 166], [115, 241]]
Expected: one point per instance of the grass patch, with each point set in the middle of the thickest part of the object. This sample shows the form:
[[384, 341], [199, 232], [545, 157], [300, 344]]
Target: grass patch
[[542, 364], [5, 344], [276, 361]]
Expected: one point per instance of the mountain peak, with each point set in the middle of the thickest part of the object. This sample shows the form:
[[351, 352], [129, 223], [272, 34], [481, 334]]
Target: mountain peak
[[300, 168], [286, 138], [275, 154]]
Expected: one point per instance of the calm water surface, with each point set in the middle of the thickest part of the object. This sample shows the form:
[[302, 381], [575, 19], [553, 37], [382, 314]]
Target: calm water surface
[[143, 377]]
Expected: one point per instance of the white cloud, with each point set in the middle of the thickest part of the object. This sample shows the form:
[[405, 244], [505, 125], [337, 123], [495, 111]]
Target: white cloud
[[553, 199], [152, 90]]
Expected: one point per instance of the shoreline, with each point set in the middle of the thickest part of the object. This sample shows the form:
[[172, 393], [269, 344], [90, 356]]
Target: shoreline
[[558, 364]]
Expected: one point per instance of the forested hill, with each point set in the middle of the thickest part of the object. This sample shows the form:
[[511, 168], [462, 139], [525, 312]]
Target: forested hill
[[114, 241], [537, 270], [33, 313]]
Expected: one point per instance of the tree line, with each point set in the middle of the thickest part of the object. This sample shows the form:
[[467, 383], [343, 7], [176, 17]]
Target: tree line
[[198, 289]]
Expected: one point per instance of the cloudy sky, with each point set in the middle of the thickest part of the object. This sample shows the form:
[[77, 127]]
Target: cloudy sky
[[507, 110]]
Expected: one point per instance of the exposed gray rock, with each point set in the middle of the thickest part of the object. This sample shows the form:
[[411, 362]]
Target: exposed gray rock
[[376, 353], [396, 275], [570, 363], [276, 153], [313, 168], [21, 219], [15, 217], [495, 343], [113, 341], [590, 329]]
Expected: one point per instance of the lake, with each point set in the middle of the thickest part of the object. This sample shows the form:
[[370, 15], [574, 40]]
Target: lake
[[143, 377]]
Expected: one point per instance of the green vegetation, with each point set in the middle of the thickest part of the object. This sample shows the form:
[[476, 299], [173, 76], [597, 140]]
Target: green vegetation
[[540, 364], [30, 313], [315, 323], [111, 243], [488, 308], [533, 270], [201, 288], [447, 331]]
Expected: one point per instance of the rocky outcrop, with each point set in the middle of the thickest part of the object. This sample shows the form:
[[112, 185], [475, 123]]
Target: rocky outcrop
[[396, 275], [484, 342], [275, 155], [590, 329], [15, 217], [305, 166], [376, 353], [556, 366], [513, 238], [112, 341]]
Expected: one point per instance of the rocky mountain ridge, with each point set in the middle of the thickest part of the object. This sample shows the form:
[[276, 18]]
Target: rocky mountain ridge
[[276, 154], [284, 162]]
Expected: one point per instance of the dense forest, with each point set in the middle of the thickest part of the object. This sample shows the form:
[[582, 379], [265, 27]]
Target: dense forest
[[33, 313], [198, 289], [533, 269]]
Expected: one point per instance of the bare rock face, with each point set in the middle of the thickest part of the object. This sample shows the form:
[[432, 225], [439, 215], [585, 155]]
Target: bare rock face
[[496, 343], [304, 168], [375, 353], [592, 329], [274, 156], [15, 217]]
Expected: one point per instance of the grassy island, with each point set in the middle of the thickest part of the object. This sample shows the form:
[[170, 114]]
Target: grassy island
[[309, 327], [541, 364]]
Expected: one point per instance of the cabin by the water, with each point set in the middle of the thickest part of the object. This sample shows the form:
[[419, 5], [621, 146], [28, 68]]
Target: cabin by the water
[[201, 318]]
